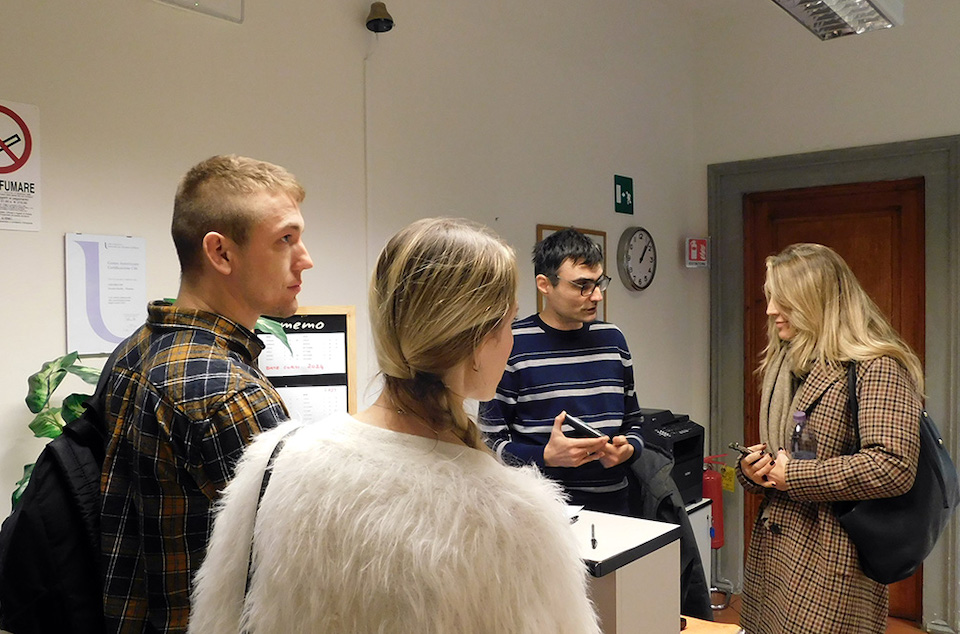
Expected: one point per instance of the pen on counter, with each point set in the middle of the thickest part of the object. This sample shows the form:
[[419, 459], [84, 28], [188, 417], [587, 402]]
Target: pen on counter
[[593, 535]]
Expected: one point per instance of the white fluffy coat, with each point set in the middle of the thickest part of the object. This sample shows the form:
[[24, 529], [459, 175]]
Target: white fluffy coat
[[365, 530]]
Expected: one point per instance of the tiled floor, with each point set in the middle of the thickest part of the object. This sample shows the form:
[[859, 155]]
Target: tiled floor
[[732, 615]]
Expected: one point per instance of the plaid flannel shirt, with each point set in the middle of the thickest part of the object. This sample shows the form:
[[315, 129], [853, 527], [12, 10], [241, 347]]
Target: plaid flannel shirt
[[185, 398]]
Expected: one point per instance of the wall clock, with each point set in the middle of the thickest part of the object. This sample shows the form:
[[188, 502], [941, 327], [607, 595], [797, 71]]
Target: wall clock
[[636, 258]]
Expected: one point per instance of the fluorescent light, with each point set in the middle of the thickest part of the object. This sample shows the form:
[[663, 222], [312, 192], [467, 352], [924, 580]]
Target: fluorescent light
[[828, 19]]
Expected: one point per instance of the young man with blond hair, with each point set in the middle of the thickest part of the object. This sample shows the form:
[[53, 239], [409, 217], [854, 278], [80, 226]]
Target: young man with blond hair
[[185, 396]]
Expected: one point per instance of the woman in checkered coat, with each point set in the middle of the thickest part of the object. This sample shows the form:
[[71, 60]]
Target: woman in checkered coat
[[802, 575]]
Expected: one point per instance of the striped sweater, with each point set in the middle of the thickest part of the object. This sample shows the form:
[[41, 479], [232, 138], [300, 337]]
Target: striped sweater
[[586, 372]]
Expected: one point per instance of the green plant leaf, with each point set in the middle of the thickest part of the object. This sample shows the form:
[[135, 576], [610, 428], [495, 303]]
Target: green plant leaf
[[42, 384], [85, 372], [47, 424], [73, 406], [22, 484], [49, 421], [273, 327]]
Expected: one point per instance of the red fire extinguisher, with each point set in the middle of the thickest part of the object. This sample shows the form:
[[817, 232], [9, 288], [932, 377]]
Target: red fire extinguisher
[[713, 489]]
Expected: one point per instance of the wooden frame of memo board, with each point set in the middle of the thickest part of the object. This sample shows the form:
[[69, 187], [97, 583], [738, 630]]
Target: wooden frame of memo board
[[320, 376], [600, 237]]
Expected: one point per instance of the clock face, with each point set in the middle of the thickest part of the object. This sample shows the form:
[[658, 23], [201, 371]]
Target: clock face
[[637, 258]]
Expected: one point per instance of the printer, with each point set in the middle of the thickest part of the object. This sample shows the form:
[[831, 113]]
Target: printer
[[681, 438]]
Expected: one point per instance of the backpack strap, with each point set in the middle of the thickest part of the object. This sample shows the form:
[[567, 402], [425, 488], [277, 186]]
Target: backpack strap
[[97, 402], [92, 420], [86, 437]]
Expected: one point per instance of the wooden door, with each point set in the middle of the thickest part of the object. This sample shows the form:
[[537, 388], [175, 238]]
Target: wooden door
[[878, 228]]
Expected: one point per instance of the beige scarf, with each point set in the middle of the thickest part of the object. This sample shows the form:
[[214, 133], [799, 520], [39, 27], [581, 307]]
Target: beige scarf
[[778, 396]]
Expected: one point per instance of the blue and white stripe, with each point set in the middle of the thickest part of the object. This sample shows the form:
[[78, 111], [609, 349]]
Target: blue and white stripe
[[587, 372]]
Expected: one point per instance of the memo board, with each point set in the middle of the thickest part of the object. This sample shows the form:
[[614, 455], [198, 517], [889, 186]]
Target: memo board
[[320, 377]]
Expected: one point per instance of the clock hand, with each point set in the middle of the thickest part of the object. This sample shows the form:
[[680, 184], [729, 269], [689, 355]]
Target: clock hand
[[644, 252]]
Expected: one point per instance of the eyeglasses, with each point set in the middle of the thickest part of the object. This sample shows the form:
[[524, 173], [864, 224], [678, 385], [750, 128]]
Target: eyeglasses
[[588, 286]]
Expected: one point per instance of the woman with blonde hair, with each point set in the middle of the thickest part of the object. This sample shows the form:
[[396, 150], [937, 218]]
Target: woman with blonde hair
[[399, 519], [802, 573]]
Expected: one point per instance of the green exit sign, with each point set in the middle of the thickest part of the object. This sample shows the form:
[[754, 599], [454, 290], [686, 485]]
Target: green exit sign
[[623, 194]]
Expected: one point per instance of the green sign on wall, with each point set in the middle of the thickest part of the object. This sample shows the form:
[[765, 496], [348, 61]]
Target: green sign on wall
[[623, 194]]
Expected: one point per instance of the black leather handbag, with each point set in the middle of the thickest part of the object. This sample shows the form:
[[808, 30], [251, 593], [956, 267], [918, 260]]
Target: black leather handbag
[[894, 535]]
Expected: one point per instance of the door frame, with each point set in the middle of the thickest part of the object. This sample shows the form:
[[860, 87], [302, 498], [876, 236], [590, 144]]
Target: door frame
[[938, 161]]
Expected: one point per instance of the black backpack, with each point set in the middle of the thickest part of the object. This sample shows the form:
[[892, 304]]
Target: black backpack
[[50, 577]]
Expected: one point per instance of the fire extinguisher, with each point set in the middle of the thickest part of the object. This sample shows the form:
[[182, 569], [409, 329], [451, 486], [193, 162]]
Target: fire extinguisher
[[713, 489]]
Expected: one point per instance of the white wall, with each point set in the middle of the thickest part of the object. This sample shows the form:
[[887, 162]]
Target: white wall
[[519, 113], [767, 86], [131, 94], [509, 113]]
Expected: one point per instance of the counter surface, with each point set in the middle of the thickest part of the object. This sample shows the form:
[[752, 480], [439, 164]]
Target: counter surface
[[620, 540]]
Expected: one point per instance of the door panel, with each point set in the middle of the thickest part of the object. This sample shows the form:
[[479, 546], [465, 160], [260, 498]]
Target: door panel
[[878, 229]]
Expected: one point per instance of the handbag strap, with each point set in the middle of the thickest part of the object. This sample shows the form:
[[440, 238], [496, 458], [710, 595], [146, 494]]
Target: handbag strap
[[928, 434], [267, 472], [852, 398]]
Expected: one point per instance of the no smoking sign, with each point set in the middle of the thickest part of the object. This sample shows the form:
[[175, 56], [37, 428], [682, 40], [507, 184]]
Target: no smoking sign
[[19, 167], [16, 143]]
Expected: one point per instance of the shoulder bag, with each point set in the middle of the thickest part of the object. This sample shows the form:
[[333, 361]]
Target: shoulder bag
[[894, 535]]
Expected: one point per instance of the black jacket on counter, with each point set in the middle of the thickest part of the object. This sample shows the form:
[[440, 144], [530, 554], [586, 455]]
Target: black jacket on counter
[[655, 496]]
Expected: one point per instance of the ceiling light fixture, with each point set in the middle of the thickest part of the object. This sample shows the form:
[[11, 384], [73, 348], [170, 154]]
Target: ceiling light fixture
[[828, 19]]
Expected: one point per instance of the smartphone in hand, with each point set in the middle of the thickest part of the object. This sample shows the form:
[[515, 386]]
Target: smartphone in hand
[[581, 429], [744, 451], [738, 447]]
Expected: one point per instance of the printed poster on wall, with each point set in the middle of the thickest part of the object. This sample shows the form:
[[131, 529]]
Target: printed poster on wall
[[106, 290], [19, 166]]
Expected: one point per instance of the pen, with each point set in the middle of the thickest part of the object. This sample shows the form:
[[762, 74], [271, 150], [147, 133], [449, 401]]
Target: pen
[[593, 535]]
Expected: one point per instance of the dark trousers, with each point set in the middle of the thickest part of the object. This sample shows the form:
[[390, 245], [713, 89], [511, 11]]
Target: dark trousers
[[615, 502]]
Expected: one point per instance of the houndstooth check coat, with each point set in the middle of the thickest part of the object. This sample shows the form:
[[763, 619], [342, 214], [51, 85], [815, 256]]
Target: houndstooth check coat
[[802, 575]]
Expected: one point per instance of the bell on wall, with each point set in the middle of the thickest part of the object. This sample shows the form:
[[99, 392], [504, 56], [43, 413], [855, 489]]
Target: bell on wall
[[379, 20]]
